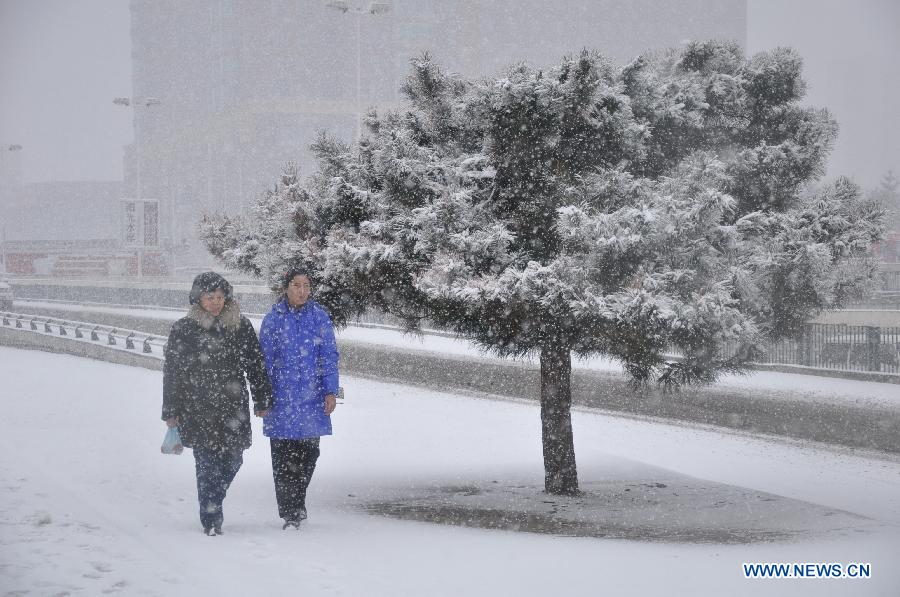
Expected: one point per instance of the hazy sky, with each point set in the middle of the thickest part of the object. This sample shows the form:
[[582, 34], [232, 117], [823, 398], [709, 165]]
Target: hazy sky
[[63, 61], [851, 51], [61, 64]]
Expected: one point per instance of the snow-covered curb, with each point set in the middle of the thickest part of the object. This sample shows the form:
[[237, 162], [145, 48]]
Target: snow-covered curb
[[865, 424]]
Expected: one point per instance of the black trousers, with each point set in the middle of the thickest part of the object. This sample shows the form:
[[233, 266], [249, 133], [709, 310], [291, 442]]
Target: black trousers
[[216, 468], [293, 463]]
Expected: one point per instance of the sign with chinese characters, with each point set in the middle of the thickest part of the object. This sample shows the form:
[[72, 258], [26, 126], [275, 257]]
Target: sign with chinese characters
[[130, 217], [140, 223], [151, 223]]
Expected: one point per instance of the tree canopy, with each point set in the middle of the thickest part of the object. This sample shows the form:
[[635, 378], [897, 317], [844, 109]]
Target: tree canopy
[[624, 210]]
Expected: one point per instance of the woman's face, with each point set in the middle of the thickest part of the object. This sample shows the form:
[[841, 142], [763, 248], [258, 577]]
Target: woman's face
[[212, 302], [298, 291]]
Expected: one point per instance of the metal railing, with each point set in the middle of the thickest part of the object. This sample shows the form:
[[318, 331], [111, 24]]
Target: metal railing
[[114, 337], [840, 347], [367, 320], [821, 346], [110, 336]]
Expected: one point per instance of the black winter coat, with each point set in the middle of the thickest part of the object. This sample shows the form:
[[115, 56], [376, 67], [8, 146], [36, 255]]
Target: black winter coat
[[206, 361]]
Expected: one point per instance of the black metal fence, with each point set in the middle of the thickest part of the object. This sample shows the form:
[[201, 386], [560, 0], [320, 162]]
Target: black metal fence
[[822, 346], [841, 347]]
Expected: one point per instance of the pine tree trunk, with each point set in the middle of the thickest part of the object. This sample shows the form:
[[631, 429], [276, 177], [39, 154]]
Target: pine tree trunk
[[560, 475]]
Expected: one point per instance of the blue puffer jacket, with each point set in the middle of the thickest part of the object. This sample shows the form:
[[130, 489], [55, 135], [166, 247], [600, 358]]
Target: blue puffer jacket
[[302, 360]]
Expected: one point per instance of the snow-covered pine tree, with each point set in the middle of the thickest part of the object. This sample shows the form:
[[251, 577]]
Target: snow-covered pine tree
[[627, 211]]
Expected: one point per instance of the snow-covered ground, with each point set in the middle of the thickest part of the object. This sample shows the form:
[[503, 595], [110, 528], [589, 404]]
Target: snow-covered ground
[[89, 505], [787, 385]]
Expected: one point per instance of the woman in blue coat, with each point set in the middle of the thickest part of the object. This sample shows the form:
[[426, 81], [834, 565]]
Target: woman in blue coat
[[297, 339]]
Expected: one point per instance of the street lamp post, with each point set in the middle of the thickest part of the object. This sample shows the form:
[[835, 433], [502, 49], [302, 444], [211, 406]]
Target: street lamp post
[[10, 185], [146, 102], [375, 8], [4, 269]]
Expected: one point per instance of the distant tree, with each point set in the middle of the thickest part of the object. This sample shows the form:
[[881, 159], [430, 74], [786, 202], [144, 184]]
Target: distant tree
[[589, 209], [887, 194]]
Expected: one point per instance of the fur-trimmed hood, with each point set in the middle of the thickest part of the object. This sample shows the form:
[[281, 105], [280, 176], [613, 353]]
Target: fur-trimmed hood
[[230, 317]]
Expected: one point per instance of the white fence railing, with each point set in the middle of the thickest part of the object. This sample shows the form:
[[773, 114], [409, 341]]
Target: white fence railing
[[113, 337]]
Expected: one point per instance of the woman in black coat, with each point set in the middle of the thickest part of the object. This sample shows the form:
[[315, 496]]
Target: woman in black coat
[[207, 356]]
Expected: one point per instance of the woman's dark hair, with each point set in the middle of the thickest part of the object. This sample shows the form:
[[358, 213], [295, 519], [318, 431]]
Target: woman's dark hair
[[208, 282], [293, 273]]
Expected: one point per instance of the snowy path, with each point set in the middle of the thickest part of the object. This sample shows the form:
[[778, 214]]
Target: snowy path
[[89, 506]]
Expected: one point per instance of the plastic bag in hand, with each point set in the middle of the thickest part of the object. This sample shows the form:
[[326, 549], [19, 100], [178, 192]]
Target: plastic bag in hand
[[172, 442]]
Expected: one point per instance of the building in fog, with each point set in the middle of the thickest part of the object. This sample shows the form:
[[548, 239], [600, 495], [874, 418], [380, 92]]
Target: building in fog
[[65, 228], [228, 91]]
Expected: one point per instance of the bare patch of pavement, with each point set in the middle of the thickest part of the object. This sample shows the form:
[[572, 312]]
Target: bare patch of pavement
[[680, 510]]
